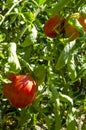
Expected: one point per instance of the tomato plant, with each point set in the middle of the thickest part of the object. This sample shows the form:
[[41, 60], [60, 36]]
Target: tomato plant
[[21, 91], [48, 87]]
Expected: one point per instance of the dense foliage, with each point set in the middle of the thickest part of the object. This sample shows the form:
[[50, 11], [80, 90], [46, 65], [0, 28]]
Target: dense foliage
[[57, 64]]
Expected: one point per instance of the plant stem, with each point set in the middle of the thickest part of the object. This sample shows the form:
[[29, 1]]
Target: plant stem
[[8, 12], [26, 64], [56, 108]]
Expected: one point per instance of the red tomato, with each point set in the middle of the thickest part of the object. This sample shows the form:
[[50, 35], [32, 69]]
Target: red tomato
[[54, 26], [21, 91], [70, 31]]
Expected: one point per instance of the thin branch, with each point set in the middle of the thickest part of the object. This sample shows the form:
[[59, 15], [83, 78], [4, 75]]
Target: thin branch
[[8, 12]]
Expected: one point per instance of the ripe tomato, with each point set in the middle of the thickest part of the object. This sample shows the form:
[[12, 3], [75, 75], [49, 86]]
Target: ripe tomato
[[21, 91], [82, 21], [71, 31], [54, 26]]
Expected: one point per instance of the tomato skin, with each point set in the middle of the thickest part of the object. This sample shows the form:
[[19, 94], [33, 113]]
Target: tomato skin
[[21, 91], [82, 21], [70, 30], [52, 26], [62, 29]]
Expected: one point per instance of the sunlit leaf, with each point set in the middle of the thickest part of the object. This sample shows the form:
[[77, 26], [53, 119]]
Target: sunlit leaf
[[63, 58], [40, 2], [71, 67], [61, 4], [13, 61], [30, 38], [2, 37], [65, 98], [29, 16]]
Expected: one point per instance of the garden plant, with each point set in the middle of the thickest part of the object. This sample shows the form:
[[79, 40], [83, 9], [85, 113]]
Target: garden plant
[[42, 65]]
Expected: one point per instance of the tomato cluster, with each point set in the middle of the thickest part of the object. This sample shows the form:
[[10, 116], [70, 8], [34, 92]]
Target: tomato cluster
[[59, 25], [21, 91]]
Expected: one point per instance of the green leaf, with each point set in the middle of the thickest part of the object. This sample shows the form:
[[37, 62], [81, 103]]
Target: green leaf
[[40, 73], [84, 126], [9, 3], [4, 80], [13, 61], [13, 18], [56, 100], [82, 71], [29, 16], [57, 115], [71, 67], [65, 98], [2, 56], [21, 33], [72, 125], [63, 58], [77, 25], [2, 36], [30, 38], [40, 2], [61, 4]]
